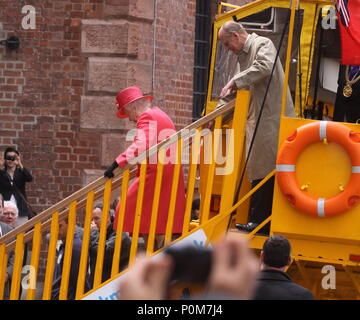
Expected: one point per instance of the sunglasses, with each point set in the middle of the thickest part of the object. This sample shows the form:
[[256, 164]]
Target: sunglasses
[[7, 157]]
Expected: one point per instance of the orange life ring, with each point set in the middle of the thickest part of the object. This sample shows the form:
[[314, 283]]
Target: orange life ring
[[286, 166]]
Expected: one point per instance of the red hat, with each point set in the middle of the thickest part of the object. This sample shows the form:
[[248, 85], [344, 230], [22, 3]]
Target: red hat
[[127, 96]]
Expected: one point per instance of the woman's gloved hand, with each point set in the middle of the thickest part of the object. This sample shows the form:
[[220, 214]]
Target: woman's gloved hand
[[109, 171]]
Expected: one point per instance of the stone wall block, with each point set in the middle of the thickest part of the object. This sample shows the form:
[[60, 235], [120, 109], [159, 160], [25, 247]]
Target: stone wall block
[[99, 113], [112, 145], [109, 37], [114, 74], [142, 9]]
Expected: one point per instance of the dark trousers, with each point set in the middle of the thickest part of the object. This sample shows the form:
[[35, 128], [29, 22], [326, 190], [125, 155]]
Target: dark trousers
[[261, 201]]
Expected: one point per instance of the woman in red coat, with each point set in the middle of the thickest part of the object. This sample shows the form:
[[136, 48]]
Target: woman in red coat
[[153, 125]]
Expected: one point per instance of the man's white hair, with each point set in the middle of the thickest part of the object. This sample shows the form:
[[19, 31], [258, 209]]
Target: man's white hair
[[10, 204], [232, 26]]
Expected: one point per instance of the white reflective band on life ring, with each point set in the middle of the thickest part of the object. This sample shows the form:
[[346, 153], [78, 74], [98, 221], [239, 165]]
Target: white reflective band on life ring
[[355, 169], [321, 207], [322, 131], [285, 168]]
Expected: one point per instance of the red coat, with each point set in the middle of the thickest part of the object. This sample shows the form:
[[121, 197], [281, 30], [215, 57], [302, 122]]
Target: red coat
[[153, 126]]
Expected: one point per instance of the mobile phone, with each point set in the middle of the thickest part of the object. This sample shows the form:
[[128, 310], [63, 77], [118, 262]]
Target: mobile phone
[[191, 264]]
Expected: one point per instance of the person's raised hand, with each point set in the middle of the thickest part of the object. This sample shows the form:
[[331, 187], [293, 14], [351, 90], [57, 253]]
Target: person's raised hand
[[235, 268], [147, 279]]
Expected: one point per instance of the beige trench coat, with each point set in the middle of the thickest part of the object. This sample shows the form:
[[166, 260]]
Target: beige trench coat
[[254, 67]]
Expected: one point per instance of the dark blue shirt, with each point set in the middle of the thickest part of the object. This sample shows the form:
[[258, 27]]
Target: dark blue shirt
[[74, 270]]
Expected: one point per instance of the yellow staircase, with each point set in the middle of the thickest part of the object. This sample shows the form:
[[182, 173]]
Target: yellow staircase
[[77, 208]]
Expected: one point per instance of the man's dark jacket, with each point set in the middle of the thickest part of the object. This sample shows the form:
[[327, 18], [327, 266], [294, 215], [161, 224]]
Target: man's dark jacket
[[277, 285], [109, 252]]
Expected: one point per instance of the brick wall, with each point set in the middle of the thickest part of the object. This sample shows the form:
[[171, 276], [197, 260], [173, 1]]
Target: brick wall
[[57, 90], [174, 58]]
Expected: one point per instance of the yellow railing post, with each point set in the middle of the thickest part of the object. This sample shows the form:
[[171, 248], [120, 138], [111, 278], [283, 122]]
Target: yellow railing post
[[235, 155], [3, 269], [205, 211], [102, 235], [137, 218], [155, 205], [18, 263], [64, 286], [49, 274], [85, 246], [174, 189], [288, 56], [194, 156], [120, 224], [34, 263]]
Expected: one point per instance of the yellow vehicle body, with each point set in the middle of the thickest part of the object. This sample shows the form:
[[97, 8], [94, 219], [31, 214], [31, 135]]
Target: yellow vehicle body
[[321, 246]]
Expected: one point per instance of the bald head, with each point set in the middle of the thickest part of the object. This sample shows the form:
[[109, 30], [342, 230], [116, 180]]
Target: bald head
[[233, 36]]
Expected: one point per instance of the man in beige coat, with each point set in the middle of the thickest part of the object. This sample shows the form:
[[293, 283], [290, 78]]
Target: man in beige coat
[[256, 56]]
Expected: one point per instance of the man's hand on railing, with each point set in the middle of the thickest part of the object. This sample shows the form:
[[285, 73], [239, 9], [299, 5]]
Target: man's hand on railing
[[109, 171], [230, 86], [210, 125]]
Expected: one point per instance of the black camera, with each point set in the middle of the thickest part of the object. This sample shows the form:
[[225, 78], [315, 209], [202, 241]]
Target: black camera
[[7, 157], [191, 264]]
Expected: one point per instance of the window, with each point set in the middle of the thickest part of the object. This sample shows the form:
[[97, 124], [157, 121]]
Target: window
[[202, 49]]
